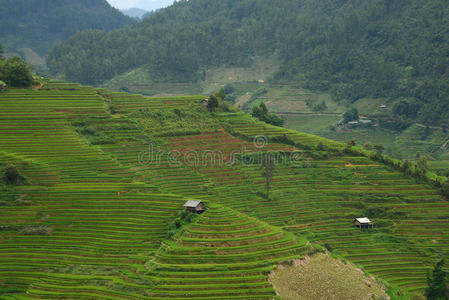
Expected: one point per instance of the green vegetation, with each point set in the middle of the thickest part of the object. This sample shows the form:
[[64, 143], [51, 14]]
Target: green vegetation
[[39, 25], [438, 283], [261, 112], [106, 221], [15, 72], [11, 176], [322, 277], [352, 115], [268, 167], [352, 49]]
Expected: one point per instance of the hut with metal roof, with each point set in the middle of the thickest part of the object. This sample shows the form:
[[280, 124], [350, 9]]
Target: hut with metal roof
[[205, 102], [195, 206], [363, 223], [3, 86]]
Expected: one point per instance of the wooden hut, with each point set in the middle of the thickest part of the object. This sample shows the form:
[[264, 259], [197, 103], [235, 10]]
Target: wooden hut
[[363, 223], [204, 102], [195, 206]]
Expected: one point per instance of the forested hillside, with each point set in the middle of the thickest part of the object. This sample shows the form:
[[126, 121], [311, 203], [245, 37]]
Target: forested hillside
[[351, 48], [39, 24]]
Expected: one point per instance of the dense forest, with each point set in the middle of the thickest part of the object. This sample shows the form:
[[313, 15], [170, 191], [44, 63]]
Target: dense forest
[[352, 48], [39, 24]]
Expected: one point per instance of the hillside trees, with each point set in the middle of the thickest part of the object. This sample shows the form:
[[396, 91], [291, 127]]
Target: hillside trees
[[39, 24], [351, 115], [261, 112], [354, 49]]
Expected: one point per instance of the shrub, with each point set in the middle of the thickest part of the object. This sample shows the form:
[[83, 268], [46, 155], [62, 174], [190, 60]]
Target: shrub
[[37, 230], [12, 176]]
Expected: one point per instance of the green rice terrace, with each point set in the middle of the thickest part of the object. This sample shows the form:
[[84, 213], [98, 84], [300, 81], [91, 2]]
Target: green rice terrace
[[106, 174]]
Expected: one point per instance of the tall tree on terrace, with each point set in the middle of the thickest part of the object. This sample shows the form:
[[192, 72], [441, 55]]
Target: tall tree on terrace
[[437, 289], [268, 166]]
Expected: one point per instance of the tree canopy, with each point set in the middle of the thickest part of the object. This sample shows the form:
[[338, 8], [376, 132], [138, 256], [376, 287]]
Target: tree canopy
[[352, 48], [39, 24], [15, 72]]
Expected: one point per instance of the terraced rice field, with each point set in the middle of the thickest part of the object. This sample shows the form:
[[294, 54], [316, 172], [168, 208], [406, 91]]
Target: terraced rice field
[[95, 219]]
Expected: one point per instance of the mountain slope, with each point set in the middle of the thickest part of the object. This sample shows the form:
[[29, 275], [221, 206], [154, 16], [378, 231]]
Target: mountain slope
[[107, 173], [353, 49], [40, 24]]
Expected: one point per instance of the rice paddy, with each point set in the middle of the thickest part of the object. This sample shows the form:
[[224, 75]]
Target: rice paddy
[[101, 215]]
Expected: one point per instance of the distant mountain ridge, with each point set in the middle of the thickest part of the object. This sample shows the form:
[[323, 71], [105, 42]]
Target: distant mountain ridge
[[40, 24], [151, 5], [134, 12]]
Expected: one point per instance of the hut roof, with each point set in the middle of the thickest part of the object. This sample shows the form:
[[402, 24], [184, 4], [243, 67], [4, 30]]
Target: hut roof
[[192, 203], [363, 220]]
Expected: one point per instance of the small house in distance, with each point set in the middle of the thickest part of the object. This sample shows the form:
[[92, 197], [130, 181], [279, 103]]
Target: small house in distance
[[383, 106], [363, 223], [3, 86], [195, 206], [204, 102]]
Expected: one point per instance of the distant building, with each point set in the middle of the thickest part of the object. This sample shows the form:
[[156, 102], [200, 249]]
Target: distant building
[[366, 121], [353, 122], [363, 223], [195, 206], [204, 102], [383, 106]]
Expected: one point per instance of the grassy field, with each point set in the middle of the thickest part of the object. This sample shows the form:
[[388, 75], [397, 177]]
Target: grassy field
[[323, 277], [101, 215]]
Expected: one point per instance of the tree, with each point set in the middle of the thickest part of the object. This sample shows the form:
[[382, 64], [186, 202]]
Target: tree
[[379, 148], [1, 52], [437, 283], [268, 167], [351, 115], [12, 176], [15, 72], [221, 94], [261, 112], [351, 143], [213, 103], [368, 146], [422, 164], [445, 189]]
